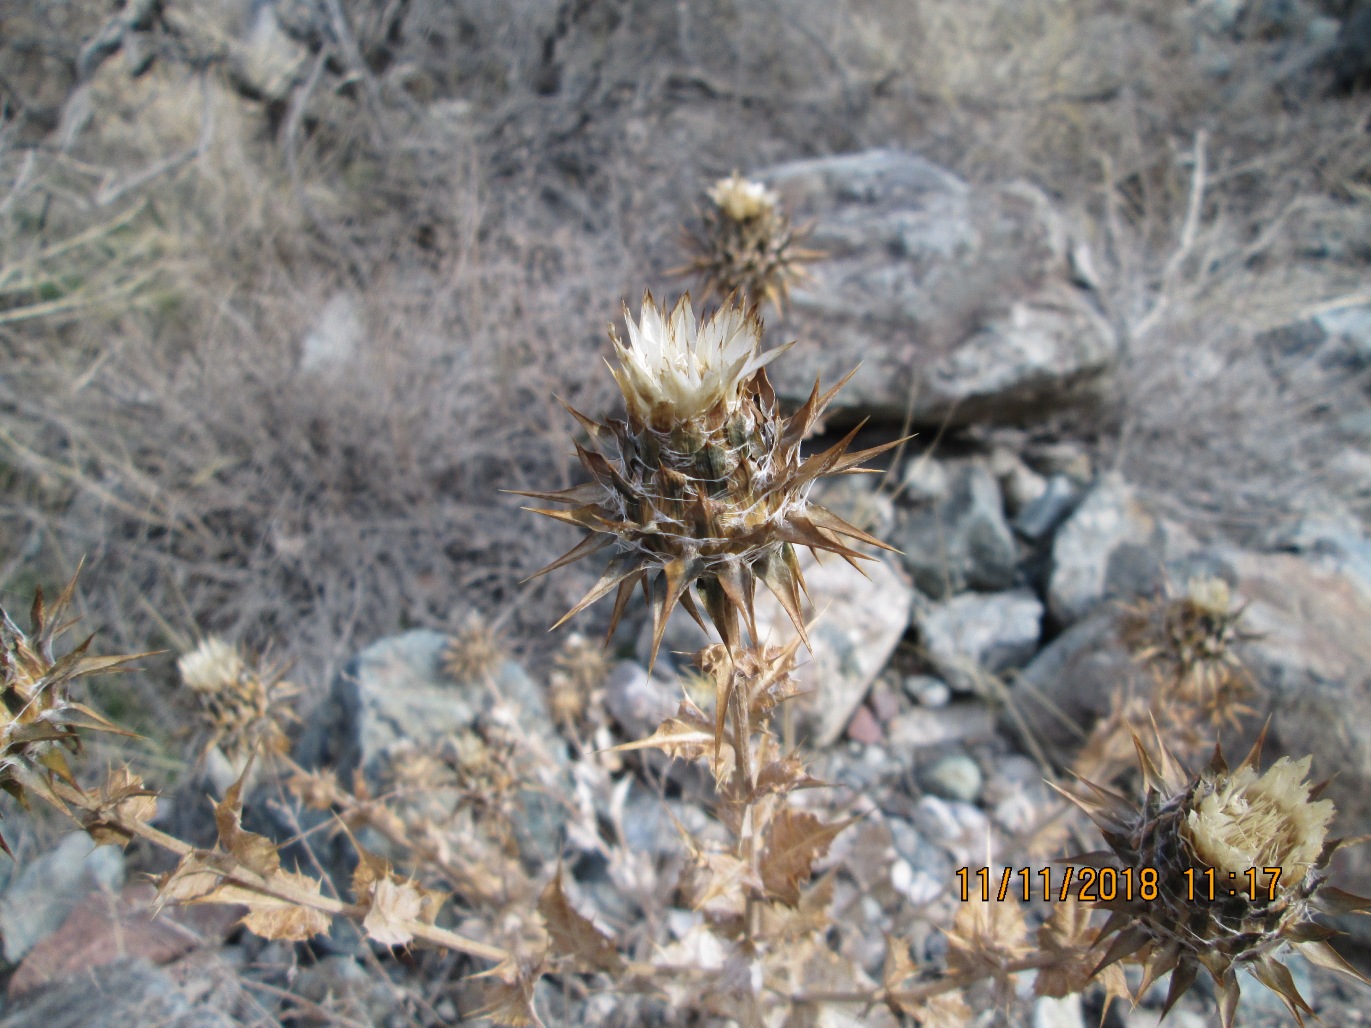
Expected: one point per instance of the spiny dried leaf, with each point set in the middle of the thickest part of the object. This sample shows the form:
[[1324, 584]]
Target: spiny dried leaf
[[272, 917], [794, 841], [509, 997], [393, 907], [986, 936], [783, 775], [898, 968], [122, 799], [192, 879], [690, 735], [1068, 937], [947, 1010], [255, 852], [574, 935]]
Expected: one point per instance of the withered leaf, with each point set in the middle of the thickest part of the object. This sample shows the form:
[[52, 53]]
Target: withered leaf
[[573, 934], [782, 776], [898, 968], [687, 736], [272, 917], [394, 905], [121, 799], [1068, 936], [794, 841], [255, 852], [509, 998], [985, 935], [192, 879]]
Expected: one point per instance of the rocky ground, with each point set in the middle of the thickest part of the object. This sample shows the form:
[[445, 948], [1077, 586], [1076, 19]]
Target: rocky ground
[[1108, 399]]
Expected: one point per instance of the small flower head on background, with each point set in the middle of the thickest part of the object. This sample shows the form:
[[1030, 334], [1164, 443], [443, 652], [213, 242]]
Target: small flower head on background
[[241, 707], [745, 245], [702, 484]]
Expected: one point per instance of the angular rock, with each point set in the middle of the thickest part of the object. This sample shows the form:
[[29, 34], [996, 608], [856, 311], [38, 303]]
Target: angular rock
[[960, 541], [921, 727], [394, 693], [862, 621], [1040, 516], [1111, 546], [129, 992], [955, 297], [637, 701], [49, 888], [974, 633]]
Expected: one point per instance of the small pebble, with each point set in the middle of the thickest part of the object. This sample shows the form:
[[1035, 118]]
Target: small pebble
[[954, 777], [927, 690], [864, 728]]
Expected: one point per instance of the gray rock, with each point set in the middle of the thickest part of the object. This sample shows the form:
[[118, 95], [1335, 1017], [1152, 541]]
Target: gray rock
[[959, 828], [394, 697], [115, 995], [954, 777], [394, 694], [682, 638], [1040, 517], [862, 622], [1111, 546], [859, 500], [637, 701], [1019, 483], [50, 887], [961, 541], [909, 732], [974, 633], [955, 298], [1068, 685], [926, 690], [924, 479]]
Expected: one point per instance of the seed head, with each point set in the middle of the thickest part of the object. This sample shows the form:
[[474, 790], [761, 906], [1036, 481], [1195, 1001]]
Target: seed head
[[702, 484], [1200, 836], [242, 706]]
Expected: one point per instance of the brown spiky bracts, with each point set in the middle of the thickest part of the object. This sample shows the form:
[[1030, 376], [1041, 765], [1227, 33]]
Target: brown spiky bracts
[[702, 484], [1203, 851], [39, 720], [745, 244]]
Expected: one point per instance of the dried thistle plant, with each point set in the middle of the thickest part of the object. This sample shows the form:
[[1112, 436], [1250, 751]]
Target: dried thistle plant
[[1188, 643], [703, 484], [39, 720], [1239, 861], [243, 707], [579, 672], [745, 245], [473, 651]]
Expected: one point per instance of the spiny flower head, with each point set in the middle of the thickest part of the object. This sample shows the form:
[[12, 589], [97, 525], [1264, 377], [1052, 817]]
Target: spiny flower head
[[1189, 643], [702, 484], [745, 245], [241, 706], [1208, 840]]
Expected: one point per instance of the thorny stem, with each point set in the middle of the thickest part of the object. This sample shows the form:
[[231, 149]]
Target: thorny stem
[[278, 890], [919, 993]]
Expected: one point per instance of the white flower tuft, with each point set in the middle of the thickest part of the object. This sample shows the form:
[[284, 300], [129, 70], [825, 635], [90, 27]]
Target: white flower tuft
[[742, 199], [673, 370], [211, 667]]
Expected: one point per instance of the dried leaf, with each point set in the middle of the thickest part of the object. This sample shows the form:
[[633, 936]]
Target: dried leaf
[[192, 879], [898, 968], [253, 851], [272, 917], [986, 935], [573, 934], [948, 1010], [394, 905], [509, 999], [1068, 937], [783, 776], [794, 841], [121, 799]]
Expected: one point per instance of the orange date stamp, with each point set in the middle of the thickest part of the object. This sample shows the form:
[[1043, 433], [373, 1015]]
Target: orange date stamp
[[1106, 884]]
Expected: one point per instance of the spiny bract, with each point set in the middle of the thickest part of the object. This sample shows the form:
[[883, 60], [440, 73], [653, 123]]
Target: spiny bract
[[702, 484], [1201, 834]]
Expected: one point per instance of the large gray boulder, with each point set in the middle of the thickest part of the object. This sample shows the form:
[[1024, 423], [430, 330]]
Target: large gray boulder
[[955, 298]]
